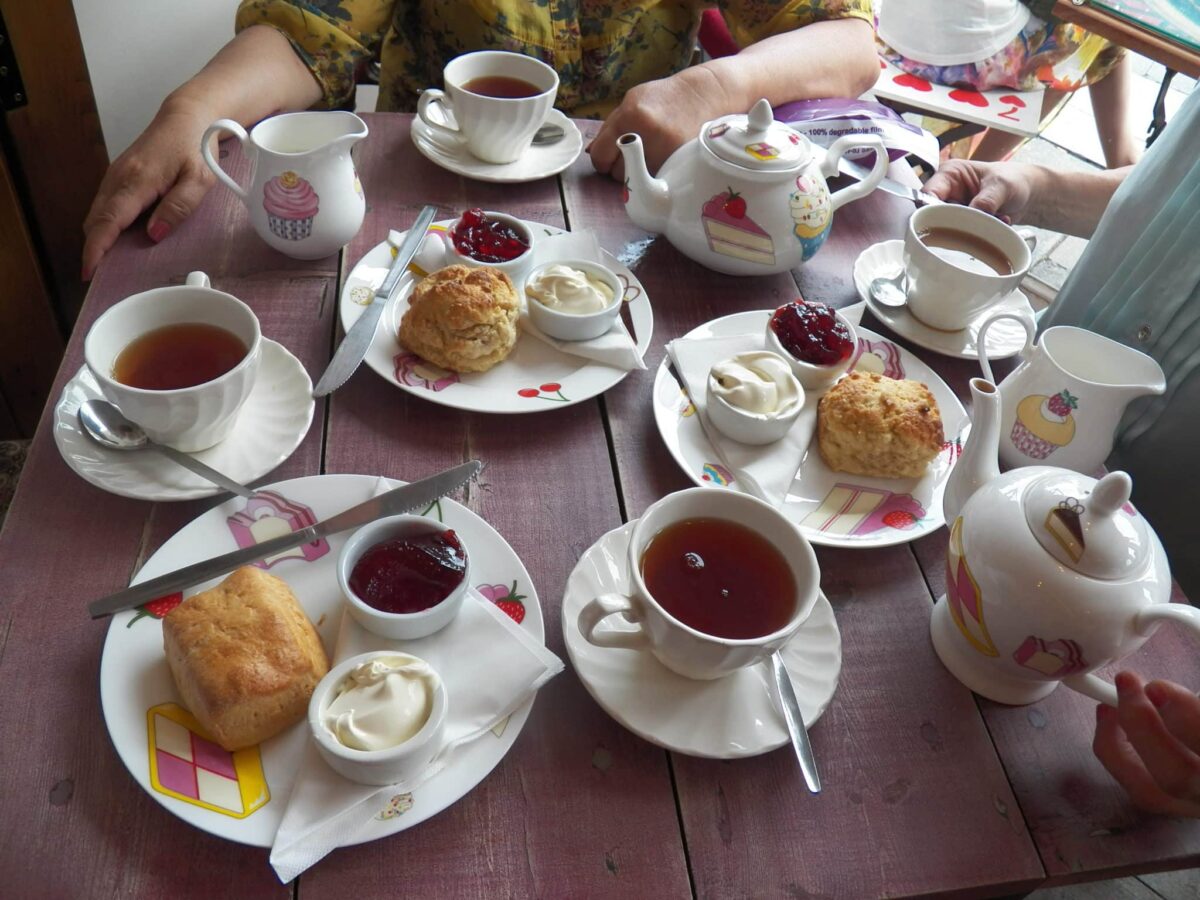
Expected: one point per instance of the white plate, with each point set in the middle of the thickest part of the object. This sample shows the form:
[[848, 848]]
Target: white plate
[[135, 679], [534, 378], [726, 718], [832, 508], [1005, 338], [270, 427], [539, 161]]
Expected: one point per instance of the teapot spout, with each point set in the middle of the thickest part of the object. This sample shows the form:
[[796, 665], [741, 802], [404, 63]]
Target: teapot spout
[[647, 199], [979, 462]]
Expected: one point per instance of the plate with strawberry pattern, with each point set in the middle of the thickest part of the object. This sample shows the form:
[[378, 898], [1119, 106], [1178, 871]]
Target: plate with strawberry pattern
[[832, 508], [241, 796], [535, 377]]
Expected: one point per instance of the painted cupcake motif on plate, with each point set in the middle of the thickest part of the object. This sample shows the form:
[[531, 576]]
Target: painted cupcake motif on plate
[[291, 205]]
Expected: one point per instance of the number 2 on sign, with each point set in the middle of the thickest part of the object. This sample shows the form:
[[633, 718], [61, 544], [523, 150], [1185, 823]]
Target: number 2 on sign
[[1008, 114], [1017, 104]]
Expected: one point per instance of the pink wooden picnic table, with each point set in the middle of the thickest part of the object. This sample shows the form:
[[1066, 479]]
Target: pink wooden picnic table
[[927, 789]]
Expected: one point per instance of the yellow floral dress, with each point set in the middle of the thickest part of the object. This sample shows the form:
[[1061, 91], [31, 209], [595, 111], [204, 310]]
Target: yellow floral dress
[[600, 48]]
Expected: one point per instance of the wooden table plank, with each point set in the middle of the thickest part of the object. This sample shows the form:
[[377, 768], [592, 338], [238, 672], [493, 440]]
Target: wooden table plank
[[915, 799], [65, 542], [579, 805]]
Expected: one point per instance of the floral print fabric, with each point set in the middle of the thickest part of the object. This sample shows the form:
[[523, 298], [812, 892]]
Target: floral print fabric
[[600, 48]]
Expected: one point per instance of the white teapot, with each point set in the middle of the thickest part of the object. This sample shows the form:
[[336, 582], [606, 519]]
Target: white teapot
[[1049, 573], [747, 196]]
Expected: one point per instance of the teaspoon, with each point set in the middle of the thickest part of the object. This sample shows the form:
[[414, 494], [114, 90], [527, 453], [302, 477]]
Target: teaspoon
[[108, 427], [548, 134], [890, 292]]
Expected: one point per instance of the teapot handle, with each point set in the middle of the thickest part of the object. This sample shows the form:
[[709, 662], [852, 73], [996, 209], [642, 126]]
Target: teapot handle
[[981, 341], [829, 167], [206, 151], [1144, 624]]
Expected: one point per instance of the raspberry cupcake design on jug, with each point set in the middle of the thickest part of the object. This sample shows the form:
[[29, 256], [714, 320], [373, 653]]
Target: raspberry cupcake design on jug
[[1044, 423], [291, 205]]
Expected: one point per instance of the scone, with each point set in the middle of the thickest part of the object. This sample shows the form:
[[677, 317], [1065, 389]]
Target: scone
[[462, 318], [245, 657], [870, 424]]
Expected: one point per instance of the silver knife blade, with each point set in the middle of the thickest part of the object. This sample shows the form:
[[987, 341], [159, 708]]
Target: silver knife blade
[[795, 724], [916, 195], [354, 345], [417, 495]]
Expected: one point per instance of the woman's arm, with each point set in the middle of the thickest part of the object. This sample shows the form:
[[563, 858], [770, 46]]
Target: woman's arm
[[833, 58], [253, 76]]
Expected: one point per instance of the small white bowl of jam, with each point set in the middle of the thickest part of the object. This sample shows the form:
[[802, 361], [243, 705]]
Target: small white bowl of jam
[[379, 717], [573, 299], [817, 340], [492, 240], [404, 577]]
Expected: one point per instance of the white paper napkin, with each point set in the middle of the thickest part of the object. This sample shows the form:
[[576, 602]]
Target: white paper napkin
[[490, 667], [616, 347]]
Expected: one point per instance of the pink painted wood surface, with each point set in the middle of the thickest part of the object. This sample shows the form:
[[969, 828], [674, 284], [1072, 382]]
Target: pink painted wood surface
[[67, 796], [579, 806], [915, 798]]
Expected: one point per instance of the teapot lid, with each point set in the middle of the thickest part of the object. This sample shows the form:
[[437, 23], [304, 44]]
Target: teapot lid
[[1090, 526], [756, 141]]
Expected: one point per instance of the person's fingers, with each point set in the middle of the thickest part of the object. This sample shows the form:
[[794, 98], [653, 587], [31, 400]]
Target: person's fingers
[[111, 213], [952, 182], [603, 148], [179, 202], [1179, 709], [993, 194], [1121, 761], [1173, 766]]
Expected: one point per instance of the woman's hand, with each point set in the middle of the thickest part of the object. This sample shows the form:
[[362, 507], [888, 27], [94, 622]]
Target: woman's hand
[[162, 166], [1151, 744], [1001, 189]]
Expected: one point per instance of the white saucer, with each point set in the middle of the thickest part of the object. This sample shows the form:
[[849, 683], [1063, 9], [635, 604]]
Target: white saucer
[[539, 161], [728, 718], [1004, 339], [270, 426]]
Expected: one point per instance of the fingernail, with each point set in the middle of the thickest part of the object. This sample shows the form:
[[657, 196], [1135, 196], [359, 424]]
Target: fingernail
[[158, 230], [1157, 694]]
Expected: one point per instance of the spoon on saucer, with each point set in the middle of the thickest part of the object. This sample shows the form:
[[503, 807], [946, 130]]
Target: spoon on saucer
[[549, 134], [891, 292], [108, 427], [795, 723]]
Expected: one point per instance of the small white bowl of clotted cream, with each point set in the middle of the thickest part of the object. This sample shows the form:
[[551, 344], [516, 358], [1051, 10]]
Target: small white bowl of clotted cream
[[753, 397], [379, 718], [573, 299]]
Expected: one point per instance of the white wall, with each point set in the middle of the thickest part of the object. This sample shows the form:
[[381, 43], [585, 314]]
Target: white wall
[[138, 51]]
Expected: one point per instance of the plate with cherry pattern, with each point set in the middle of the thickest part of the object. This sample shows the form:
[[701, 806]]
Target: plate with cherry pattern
[[534, 378], [242, 795], [832, 508]]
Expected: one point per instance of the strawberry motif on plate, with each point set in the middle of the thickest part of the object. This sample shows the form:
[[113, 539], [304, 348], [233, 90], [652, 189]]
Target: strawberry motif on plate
[[506, 598], [157, 608]]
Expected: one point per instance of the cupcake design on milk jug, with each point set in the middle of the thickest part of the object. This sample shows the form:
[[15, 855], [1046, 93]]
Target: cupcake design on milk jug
[[291, 205], [731, 232], [811, 209], [1044, 423]]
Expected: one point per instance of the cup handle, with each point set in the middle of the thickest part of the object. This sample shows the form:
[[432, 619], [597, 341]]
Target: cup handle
[[206, 151], [599, 609], [1030, 239], [197, 279], [1144, 623], [433, 95], [837, 150], [981, 341]]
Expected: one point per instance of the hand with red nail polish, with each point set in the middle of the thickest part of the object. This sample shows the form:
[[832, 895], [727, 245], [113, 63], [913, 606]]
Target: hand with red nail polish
[[1150, 743]]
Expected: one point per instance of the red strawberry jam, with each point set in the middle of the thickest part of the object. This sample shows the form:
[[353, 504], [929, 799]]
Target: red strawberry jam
[[487, 240], [410, 574], [812, 333]]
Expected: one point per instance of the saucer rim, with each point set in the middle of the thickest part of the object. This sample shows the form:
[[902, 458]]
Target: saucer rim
[[493, 173], [921, 334], [160, 494], [570, 631]]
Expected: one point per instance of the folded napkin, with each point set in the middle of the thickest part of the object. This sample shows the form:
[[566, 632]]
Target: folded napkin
[[490, 667], [616, 347]]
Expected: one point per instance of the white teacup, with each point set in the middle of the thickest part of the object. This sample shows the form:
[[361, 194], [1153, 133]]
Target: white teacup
[[680, 647], [495, 129], [947, 296], [192, 418]]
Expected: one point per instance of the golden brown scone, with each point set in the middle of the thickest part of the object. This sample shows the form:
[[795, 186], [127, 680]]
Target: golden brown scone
[[245, 657], [462, 318], [869, 424]]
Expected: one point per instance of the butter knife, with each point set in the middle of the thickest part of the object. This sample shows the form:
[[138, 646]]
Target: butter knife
[[916, 195], [795, 723], [417, 495], [358, 339]]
